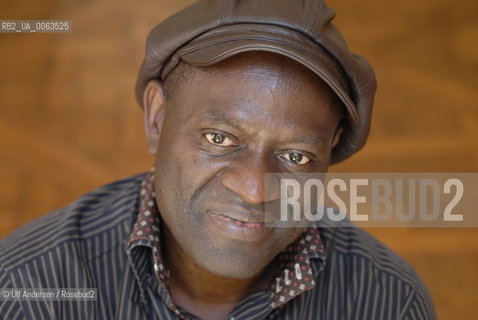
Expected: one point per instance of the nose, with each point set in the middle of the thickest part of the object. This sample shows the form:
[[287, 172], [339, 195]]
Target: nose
[[246, 177]]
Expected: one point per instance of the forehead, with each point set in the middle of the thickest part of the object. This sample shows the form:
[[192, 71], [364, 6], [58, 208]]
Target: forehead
[[266, 85]]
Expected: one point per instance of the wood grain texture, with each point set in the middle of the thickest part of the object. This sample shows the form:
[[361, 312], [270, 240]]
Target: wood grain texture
[[69, 121]]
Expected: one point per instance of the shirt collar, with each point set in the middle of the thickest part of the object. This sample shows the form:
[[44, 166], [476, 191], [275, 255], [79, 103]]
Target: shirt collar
[[296, 273], [147, 228]]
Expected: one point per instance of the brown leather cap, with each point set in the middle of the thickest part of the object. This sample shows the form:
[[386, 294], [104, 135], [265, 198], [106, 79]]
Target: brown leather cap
[[210, 31]]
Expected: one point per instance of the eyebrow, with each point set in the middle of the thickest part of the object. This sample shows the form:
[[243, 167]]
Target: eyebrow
[[220, 116], [309, 140]]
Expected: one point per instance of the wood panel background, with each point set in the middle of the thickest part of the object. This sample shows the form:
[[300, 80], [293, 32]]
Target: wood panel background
[[69, 121]]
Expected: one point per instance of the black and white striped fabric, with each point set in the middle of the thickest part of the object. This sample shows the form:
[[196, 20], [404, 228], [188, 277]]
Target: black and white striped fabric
[[85, 246]]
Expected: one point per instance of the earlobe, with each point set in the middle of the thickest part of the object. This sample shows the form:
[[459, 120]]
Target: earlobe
[[153, 103]]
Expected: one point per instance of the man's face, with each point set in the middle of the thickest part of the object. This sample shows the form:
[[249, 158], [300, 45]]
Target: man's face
[[218, 136]]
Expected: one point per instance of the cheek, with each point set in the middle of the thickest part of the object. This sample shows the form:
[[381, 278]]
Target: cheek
[[181, 171], [169, 184]]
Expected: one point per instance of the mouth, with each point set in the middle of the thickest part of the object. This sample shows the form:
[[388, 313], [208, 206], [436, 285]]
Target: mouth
[[239, 227]]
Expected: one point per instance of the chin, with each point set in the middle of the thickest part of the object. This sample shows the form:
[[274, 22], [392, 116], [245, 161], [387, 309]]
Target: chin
[[237, 272], [232, 266]]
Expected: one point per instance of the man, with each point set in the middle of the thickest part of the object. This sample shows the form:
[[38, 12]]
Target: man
[[231, 90]]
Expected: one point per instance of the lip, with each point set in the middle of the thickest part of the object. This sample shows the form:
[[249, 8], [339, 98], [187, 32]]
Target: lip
[[239, 226]]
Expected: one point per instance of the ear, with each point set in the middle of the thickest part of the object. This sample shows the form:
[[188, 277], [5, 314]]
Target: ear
[[153, 104], [338, 133]]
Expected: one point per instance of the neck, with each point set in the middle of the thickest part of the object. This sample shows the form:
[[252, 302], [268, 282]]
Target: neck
[[201, 292]]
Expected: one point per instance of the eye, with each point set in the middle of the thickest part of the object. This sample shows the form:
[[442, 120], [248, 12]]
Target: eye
[[296, 158], [219, 140]]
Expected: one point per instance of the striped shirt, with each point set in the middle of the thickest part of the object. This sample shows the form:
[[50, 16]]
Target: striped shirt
[[85, 245]]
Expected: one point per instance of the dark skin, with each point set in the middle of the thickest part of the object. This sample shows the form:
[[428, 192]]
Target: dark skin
[[214, 139]]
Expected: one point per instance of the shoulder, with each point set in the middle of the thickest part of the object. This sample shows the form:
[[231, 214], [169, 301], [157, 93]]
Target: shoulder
[[97, 212], [376, 280]]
